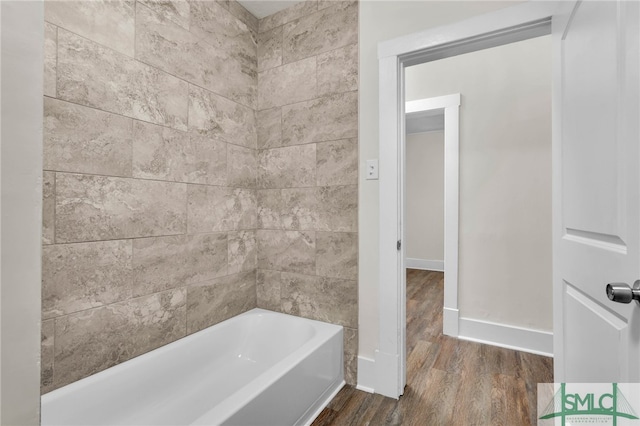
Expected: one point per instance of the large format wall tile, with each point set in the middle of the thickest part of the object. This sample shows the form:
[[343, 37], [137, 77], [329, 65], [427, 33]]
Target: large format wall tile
[[171, 48], [214, 209], [90, 208], [320, 298], [219, 117], [324, 119], [338, 70], [323, 4], [223, 3], [269, 127], [289, 14], [110, 23], [86, 140], [338, 208], [337, 162], [287, 84], [241, 52], [177, 11], [243, 14], [47, 334], [291, 208], [48, 207], [167, 154], [165, 119], [350, 344], [92, 75], [50, 59], [90, 341], [320, 32], [270, 49], [163, 263], [293, 166], [337, 255], [291, 251], [242, 251], [80, 276], [268, 289], [213, 22], [218, 300], [213, 153], [220, 28], [242, 165]]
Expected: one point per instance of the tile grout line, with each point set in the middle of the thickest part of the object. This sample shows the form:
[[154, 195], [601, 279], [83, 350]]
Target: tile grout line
[[143, 179], [190, 132], [133, 58], [306, 274], [321, 97], [129, 238]]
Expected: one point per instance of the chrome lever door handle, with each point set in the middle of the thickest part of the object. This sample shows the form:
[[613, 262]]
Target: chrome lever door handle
[[622, 293]]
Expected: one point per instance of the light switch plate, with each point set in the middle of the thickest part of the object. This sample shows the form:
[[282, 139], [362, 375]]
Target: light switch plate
[[372, 169]]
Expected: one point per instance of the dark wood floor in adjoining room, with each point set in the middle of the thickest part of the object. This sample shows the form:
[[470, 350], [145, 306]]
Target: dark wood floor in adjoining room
[[450, 381]]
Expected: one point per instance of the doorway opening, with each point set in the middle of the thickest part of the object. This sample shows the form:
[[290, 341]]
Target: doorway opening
[[502, 194], [433, 122], [517, 24], [425, 190]]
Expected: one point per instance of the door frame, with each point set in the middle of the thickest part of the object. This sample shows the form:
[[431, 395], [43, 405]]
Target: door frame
[[497, 28], [451, 106]]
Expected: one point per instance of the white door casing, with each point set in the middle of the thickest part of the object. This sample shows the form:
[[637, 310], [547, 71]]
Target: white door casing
[[451, 106], [596, 183]]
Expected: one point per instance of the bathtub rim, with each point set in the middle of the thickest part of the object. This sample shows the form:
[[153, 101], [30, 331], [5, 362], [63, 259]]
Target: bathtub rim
[[324, 332], [231, 404], [130, 363]]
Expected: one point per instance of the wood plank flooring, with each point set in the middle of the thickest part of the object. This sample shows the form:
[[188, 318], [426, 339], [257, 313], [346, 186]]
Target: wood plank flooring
[[450, 381]]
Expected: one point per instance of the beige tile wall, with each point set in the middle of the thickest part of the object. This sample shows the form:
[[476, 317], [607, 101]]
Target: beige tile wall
[[307, 165], [150, 165], [197, 163]]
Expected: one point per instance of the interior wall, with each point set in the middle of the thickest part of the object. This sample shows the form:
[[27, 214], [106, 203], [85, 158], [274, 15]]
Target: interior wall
[[149, 177], [425, 196], [21, 36], [308, 166], [380, 21], [504, 266]]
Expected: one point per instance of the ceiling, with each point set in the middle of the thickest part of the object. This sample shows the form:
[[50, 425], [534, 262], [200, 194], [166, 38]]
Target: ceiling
[[262, 8], [425, 121]]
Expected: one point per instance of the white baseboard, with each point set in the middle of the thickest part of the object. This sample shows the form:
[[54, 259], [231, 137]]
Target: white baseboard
[[365, 389], [427, 265], [366, 374], [450, 322], [506, 336], [511, 337]]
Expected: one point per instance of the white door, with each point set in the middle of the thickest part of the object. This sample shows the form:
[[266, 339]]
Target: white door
[[596, 191]]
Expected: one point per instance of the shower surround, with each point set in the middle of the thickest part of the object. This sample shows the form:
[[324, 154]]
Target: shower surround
[[198, 163], [308, 166]]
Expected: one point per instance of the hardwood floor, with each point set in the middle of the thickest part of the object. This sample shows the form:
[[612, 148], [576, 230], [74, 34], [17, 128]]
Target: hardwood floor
[[450, 381]]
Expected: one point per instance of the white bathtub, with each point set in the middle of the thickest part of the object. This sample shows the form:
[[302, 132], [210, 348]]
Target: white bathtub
[[259, 368]]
